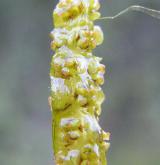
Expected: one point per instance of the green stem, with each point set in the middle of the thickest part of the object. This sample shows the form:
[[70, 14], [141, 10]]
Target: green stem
[[76, 76]]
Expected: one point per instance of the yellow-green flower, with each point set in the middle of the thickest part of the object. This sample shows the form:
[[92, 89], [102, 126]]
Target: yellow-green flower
[[76, 75]]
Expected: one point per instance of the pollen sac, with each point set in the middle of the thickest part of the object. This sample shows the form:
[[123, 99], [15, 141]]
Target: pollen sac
[[76, 78], [66, 10], [83, 37], [70, 124]]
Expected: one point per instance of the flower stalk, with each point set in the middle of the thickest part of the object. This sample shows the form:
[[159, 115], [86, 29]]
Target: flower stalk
[[76, 78]]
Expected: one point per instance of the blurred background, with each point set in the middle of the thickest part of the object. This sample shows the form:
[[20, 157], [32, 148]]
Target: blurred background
[[131, 112]]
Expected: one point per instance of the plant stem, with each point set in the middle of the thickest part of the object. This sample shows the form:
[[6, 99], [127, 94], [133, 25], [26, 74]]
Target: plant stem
[[76, 76]]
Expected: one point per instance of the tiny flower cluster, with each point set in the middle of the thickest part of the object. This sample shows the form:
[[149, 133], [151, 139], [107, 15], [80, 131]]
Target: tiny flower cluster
[[76, 79]]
